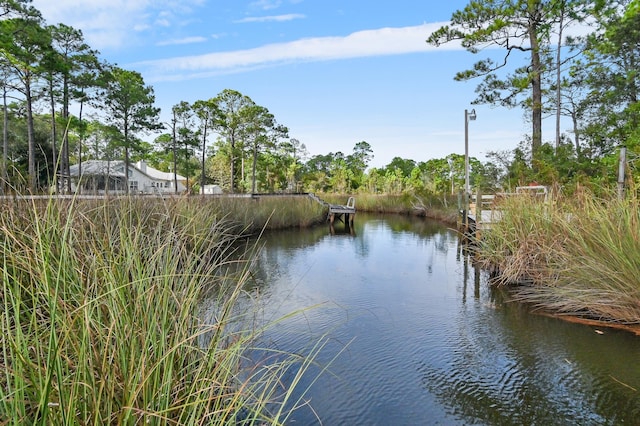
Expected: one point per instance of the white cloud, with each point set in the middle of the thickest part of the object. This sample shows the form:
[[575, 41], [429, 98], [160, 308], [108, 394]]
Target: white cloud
[[273, 18], [109, 23], [266, 4], [163, 22], [379, 42], [186, 40]]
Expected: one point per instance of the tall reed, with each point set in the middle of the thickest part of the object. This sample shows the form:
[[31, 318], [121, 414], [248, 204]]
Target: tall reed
[[264, 212], [581, 255], [441, 208], [101, 321]]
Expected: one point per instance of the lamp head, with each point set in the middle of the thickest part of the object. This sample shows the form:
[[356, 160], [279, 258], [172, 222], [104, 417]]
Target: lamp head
[[472, 115]]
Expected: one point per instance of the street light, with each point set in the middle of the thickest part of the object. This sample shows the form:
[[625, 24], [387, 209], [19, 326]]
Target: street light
[[468, 116]]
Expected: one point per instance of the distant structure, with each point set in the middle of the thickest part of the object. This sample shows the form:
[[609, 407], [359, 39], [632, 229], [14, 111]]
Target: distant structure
[[108, 177], [212, 190]]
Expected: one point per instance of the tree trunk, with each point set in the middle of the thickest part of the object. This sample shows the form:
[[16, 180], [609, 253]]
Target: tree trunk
[[576, 132], [5, 144], [54, 147], [186, 164], [253, 171], [175, 159], [67, 167], [233, 164], [64, 162], [126, 155], [30, 136], [204, 148], [559, 77], [242, 174], [536, 85]]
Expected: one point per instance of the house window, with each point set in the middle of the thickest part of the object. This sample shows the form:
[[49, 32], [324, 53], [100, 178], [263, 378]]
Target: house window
[[166, 184], [133, 185]]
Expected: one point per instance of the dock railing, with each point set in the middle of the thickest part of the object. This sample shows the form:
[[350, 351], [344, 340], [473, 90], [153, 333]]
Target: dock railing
[[484, 209], [348, 211]]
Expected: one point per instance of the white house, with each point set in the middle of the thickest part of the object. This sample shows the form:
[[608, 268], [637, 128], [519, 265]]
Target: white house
[[100, 177]]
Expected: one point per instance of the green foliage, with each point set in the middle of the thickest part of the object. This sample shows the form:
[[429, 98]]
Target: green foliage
[[18, 8], [229, 124], [186, 140], [598, 93], [26, 49], [129, 104], [612, 110], [403, 166], [520, 26], [73, 68], [206, 113]]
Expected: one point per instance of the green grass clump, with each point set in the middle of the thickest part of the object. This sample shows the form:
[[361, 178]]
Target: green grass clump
[[580, 257], [101, 319]]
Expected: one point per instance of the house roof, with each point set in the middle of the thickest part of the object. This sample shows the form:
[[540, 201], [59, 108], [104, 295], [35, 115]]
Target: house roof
[[116, 169], [157, 174], [99, 167]]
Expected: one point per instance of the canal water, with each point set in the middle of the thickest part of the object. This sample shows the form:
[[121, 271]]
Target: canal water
[[414, 335]]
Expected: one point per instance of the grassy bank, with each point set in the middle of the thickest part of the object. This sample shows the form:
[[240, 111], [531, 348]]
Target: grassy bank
[[254, 214], [443, 209], [100, 318], [577, 257]]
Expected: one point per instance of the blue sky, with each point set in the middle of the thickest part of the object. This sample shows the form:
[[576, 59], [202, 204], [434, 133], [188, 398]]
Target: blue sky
[[335, 72]]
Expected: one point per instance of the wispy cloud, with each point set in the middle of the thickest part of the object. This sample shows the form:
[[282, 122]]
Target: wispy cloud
[[108, 23], [379, 42], [266, 4], [186, 40], [273, 18]]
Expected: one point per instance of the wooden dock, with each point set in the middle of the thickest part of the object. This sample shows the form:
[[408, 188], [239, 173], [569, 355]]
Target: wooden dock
[[483, 212], [347, 212]]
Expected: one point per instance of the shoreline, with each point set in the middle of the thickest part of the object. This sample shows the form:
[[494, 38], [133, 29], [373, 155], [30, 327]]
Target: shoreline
[[631, 328]]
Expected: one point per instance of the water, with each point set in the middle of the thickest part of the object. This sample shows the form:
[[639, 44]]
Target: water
[[421, 338]]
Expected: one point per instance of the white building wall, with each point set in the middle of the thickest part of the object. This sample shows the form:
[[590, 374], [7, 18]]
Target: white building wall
[[150, 185]]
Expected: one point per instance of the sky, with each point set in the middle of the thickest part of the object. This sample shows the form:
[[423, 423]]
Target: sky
[[335, 72]]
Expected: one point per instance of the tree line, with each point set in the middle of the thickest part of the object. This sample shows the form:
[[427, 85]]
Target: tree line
[[592, 79], [229, 140]]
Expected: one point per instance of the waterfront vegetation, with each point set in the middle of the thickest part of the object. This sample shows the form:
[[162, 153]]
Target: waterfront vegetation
[[577, 256], [443, 208], [100, 313], [101, 317], [262, 212]]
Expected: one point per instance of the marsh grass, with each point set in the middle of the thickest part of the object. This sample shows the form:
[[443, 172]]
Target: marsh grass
[[444, 209], [578, 257], [100, 316], [264, 212]]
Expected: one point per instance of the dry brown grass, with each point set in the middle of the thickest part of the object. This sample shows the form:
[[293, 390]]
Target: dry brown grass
[[576, 257]]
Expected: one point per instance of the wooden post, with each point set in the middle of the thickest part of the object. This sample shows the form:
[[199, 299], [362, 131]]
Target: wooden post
[[465, 219], [478, 212]]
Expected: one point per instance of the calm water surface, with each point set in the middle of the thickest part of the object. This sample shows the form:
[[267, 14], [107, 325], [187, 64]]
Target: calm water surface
[[422, 338]]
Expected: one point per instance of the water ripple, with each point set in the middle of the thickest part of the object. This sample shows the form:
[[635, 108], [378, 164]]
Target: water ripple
[[424, 340]]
